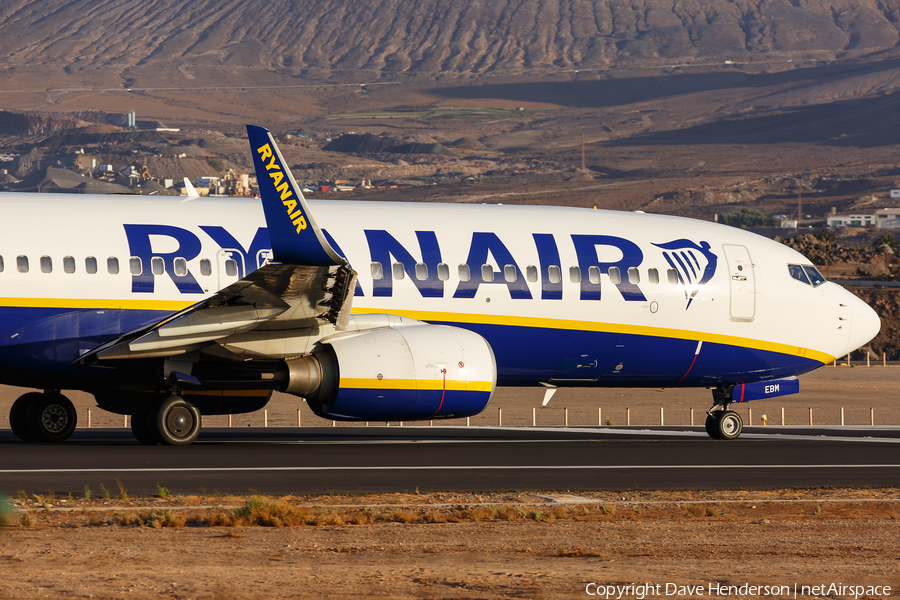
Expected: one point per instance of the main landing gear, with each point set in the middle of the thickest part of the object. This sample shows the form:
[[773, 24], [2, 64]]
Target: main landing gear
[[721, 423], [43, 417], [172, 422], [51, 417]]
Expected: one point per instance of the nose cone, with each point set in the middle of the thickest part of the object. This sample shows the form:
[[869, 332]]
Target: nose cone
[[864, 324]]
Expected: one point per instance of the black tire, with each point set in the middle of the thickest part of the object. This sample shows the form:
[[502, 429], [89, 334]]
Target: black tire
[[18, 415], [52, 418], [177, 421], [141, 427], [730, 425], [712, 425]]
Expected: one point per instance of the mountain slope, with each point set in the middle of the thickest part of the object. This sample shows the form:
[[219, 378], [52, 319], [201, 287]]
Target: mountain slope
[[426, 36]]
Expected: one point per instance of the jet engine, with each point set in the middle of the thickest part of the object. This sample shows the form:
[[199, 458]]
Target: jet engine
[[409, 372]]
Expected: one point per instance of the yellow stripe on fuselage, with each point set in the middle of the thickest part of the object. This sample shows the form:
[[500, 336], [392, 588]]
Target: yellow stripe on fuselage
[[449, 317], [568, 324], [414, 384], [95, 304]]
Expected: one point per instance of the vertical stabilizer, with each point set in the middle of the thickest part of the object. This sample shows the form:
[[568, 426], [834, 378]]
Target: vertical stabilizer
[[293, 231]]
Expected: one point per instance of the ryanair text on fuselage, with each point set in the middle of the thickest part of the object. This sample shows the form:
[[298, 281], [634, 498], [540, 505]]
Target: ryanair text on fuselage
[[694, 263]]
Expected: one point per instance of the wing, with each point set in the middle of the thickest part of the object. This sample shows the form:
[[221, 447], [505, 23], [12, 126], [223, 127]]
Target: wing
[[308, 286]]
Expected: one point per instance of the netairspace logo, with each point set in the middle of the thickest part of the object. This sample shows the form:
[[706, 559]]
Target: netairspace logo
[[642, 591]]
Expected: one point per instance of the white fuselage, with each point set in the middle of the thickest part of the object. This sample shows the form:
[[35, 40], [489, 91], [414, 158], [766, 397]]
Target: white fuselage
[[692, 302]]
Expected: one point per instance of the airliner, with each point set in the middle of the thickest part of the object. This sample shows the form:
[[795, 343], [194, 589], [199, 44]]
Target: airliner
[[170, 308]]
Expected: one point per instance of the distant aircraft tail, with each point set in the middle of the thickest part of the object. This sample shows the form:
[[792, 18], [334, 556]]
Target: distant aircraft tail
[[293, 231]]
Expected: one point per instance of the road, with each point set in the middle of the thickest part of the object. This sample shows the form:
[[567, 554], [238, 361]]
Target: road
[[315, 460]]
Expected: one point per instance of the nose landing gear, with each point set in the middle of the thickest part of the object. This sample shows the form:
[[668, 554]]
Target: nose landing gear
[[721, 423]]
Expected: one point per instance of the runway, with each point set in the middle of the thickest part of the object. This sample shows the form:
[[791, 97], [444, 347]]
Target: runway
[[316, 460]]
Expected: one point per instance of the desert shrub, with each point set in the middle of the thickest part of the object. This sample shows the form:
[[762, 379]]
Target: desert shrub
[[259, 511], [434, 516], [887, 239], [511, 513], [747, 217], [148, 518]]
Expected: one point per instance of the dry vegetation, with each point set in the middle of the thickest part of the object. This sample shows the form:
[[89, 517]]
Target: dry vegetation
[[330, 511], [446, 545]]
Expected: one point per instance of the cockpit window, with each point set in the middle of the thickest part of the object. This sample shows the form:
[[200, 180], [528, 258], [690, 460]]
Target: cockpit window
[[797, 273], [808, 274], [815, 278]]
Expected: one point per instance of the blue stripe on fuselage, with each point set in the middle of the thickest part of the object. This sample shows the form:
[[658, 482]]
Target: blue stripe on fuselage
[[52, 338], [531, 355]]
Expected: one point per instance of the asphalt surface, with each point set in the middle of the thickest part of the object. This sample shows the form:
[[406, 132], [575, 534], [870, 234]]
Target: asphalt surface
[[316, 460]]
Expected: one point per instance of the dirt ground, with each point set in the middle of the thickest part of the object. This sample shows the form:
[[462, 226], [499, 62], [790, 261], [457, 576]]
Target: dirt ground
[[705, 540]]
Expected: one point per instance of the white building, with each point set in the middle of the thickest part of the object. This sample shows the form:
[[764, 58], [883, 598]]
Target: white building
[[206, 181], [884, 218], [887, 218], [857, 220]]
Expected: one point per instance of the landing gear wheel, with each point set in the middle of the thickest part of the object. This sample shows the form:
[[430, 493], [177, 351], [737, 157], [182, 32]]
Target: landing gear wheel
[[712, 425], [51, 418], [730, 425], [18, 415], [177, 421], [144, 431]]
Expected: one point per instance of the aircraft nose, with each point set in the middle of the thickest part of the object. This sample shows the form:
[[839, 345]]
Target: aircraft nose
[[864, 324]]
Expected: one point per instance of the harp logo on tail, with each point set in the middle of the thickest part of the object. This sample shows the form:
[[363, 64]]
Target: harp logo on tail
[[694, 263]]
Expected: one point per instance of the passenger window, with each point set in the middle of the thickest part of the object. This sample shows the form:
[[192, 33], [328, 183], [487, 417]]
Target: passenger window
[[443, 271], [157, 265], [205, 267], [68, 264], [377, 271], [615, 276], [22, 264], [575, 274], [554, 274], [672, 276], [46, 264], [180, 267], [487, 273], [90, 265], [653, 276], [531, 273], [464, 274], [594, 274], [421, 271], [399, 272], [509, 273], [1, 264], [634, 276], [231, 268]]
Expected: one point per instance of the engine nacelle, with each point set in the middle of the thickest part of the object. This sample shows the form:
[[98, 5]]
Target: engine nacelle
[[405, 373]]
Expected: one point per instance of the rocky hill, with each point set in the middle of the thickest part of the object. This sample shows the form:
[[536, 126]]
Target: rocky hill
[[446, 37]]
